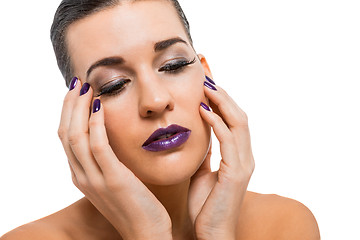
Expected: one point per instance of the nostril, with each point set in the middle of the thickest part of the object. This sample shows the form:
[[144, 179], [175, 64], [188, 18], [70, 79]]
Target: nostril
[[148, 112]]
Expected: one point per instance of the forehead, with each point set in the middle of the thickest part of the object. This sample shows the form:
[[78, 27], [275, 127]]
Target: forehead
[[127, 30]]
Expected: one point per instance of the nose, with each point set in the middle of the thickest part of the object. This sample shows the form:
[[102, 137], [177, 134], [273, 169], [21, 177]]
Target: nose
[[154, 97]]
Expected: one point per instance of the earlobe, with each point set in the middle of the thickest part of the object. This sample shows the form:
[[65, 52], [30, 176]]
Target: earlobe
[[205, 65]]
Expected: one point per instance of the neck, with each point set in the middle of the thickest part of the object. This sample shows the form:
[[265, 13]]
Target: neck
[[175, 199]]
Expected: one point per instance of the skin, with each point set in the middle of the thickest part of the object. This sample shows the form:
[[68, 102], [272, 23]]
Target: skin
[[131, 193]]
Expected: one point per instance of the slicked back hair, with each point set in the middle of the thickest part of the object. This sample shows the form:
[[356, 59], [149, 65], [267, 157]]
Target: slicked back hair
[[70, 11]]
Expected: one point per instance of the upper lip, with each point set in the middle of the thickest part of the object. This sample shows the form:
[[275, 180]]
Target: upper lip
[[172, 129]]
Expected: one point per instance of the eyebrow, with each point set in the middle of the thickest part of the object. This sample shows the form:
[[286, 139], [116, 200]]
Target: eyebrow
[[111, 61], [159, 46]]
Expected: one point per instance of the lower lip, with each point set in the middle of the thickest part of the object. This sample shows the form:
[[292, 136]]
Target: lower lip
[[168, 143]]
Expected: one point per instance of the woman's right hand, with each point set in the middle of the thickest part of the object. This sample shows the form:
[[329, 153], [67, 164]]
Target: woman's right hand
[[96, 171]]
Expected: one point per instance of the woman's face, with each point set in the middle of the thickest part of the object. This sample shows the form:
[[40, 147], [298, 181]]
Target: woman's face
[[139, 57]]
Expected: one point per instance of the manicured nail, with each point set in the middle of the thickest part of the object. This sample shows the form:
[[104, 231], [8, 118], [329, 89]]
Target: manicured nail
[[205, 106], [96, 105], [85, 88], [73, 83], [209, 85], [210, 80]]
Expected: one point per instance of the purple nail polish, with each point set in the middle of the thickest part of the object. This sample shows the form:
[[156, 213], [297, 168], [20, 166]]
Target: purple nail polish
[[205, 106], [85, 88], [210, 80], [209, 85], [73, 83], [96, 105]]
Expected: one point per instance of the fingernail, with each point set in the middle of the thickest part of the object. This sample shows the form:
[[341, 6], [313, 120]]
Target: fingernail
[[205, 106], [85, 88], [73, 83], [210, 80], [209, 85], [96, 105]]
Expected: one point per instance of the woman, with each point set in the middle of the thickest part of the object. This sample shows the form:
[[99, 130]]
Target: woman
[[142, 158]]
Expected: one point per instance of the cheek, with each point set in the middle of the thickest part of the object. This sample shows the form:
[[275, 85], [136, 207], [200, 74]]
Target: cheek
[[188, 99], [118, 119], [191, 93]]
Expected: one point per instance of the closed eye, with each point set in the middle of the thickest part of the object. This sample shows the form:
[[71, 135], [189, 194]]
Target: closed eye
[[113, 88], [176, 66]]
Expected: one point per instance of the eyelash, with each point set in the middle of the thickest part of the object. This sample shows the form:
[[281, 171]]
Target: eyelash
[[171, 68], [177, 66], [113, 89]]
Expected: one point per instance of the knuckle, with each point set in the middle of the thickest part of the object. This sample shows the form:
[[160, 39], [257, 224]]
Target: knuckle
[[247, 173], [217, 121], [112, 185], [243, 119], [97, 147], [62, 132], [96, 185], [93, 123], [74, 138], [74, 180], [226, 137], [82, 183], [252, 166]]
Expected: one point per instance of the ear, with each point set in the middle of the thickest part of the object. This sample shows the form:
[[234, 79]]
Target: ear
[[205, 65]]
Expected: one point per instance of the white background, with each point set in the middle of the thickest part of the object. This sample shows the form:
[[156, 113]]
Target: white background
[[293, 66]]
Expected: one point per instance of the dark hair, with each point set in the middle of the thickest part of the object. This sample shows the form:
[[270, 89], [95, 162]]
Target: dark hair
[[70, 11]]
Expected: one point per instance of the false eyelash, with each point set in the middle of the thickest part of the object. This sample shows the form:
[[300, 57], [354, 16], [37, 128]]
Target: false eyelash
[[177, 66], [117, 87], [113, 88]]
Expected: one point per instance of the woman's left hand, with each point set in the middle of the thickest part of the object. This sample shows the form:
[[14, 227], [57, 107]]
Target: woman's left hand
[[215, 198]]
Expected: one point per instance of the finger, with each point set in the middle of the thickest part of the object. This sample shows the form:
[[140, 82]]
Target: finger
[[231, 113], [234, 117], [223, 134], [68, 106], [73, 175], [79, 132], [243, 141], [99, 143]]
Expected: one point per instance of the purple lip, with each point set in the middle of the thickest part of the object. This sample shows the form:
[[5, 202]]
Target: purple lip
[[167, 138]]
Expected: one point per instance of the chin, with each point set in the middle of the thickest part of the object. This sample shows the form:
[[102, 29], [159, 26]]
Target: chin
[[164, 168], [173, 167]]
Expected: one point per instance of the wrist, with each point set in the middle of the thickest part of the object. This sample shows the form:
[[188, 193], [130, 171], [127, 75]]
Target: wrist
[[165, 236], [152, 233], [161, 229], [216, 236]]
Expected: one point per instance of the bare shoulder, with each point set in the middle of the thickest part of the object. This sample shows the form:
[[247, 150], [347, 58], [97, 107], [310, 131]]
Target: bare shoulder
[[52, 227], [80, 220], [35, 231], [274, 217]]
